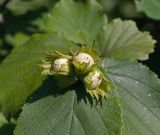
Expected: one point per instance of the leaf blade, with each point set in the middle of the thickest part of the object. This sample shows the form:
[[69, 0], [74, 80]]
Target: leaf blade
[[124, 41], [73, 116], [150, 8], [20, 72], [79, 22], [139, 93]]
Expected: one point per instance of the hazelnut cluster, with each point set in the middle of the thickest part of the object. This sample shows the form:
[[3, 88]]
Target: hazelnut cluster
[[82, 63]]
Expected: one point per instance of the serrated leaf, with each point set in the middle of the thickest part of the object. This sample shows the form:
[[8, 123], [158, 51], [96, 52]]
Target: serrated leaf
[[68, 114], [123, 40], [20, 74], [79, 22], [139, 91], [149, 7]]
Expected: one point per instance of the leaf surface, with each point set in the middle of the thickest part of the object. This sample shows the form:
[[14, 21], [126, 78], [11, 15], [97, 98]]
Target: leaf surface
[[68, 114], [79, 22], [123, 40], [150, 8], [21, 7], [20, 73], [139, 91], [2, 120]]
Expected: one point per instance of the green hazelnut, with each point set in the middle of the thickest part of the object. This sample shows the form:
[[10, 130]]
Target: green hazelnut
[[83, 63]]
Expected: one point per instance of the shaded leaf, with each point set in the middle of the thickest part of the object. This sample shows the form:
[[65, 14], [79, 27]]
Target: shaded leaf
[[149, 7], [139, 90], [6, 128], [67, 114], [20, 72], [123, 40], [79, 22], [21, 7], [2, 120]]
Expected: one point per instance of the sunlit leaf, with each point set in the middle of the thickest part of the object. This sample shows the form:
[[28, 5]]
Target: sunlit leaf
[[139, 91], [123, 40], [20, 72], [79, 22]]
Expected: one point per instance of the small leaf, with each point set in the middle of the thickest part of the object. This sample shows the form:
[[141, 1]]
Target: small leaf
[[20, 72], [139, 90], [79, 22], [68, 115], [124, 41], [149, 7]]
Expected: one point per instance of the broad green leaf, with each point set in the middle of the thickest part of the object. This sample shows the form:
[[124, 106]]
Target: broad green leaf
[[70, 114], [139, 90], [20, 73], [149, 7], [79, 22], [123, 40]]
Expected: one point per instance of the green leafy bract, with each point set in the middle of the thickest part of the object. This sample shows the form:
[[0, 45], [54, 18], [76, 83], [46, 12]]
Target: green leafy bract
[[20, 72], [67, 114], [123, 40], [80, 22], [139, 91], [150, 8]]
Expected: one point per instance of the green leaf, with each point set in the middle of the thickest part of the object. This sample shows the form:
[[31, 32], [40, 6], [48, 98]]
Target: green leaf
[[21, 7], [69, 114], [6, 127], [18, 39], [2, 120], [20, 72], [79, 22], [123, 40], [1, 2], [139, 90], [149, 7]]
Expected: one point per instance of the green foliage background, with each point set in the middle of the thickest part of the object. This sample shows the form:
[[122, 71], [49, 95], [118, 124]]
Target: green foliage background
[[17, 23]]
